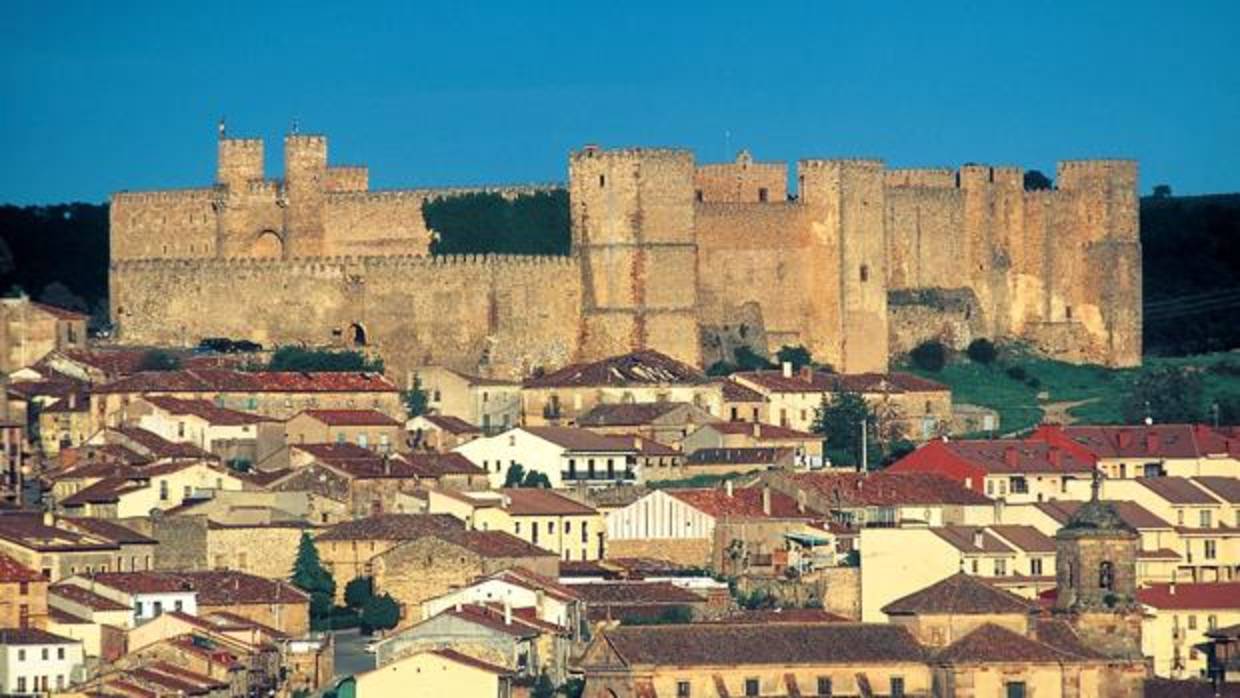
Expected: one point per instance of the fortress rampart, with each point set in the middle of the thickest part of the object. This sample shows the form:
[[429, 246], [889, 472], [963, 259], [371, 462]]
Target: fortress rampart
[[858, 263]]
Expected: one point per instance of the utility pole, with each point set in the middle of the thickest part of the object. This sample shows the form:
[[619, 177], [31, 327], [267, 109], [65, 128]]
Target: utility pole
[[865, 456], [1214, 410]]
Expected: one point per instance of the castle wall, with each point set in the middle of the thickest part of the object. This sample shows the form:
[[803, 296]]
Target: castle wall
[[498, 315], [754, 257], [141, 224], [743, 181]]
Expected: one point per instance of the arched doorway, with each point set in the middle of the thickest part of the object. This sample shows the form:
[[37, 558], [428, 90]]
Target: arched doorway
[[357, 335], [268, 245]]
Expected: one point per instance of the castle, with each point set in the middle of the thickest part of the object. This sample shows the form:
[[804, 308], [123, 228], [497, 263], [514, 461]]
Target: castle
[[862, 263]]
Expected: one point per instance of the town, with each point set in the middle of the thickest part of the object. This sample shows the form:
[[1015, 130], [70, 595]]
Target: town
[[631, 350]]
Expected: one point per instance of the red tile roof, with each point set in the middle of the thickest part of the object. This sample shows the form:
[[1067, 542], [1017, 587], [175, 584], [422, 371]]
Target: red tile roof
[[1214, 595], [532, 501], [352, 418], [363, 464], [745, 502], [735, 392], [823, 382], [786, 615], [742, 644], [459, 658], [1225, 488], [452, 425], [992, 644], [212, 588], [966, 540], [28, 530], [12, 571], [885, 488], [222, 380], [627, 414], [392, 527], [996, 456], [1026, 538], [159, 447], [1132, 513], [58, 312], [107, 529], [205, 410], [635, 593], [575, 439], [646, 367], [32, 636], [85, 597], [1142, 441], [760, 455], [960, 594], [1176, 490], [764, 432]]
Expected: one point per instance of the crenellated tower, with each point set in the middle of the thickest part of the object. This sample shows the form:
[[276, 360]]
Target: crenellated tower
[[305, 193], [633, 230]]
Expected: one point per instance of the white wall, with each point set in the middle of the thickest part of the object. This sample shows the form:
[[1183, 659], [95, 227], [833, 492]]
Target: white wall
[[658, 515], [495, 454], [33, 666], [896, 562]]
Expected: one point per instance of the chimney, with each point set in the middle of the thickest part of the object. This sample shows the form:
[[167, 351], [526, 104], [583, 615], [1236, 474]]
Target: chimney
[[507, 612], [49, 519], [72, 401], [1152, 444], [757, 430], [1125, 438], [787, 369], [766, 500], [978, 538], [1011, 456], [458, 606], [637, 442], [387, 465], [801, 501], [807, 374], [727, 487], [999, 504], [1171, 588], [1055, 455]]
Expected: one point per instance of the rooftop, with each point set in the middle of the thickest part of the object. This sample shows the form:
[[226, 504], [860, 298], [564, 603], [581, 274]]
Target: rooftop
[[205, 410], [212, 588], [223, 380], [1139, 441], [742, 502], [12, 571], [1201, 595], [741, 644], [812, 381], [760, 455], [352, 418], [1132, 513], [645, 367], [960, 594], [992, 644], [763, 432], [32, 636], [452, 425], [575, 439], [628, 414], [1177, 490], [884, 488], [391, 527]]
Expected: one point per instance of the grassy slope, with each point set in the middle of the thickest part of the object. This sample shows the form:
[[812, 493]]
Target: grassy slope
[[1020, 405]]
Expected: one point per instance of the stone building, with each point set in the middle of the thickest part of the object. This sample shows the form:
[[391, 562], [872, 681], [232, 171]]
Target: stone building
[[29, 331], [23, 595], [693, 261]]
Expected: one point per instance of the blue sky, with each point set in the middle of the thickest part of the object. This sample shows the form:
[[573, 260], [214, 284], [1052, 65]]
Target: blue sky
[[107, 96]]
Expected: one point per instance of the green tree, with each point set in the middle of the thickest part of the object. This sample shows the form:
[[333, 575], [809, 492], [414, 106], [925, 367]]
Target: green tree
[[379, 613], [1166, 395], [543, 688], [1035, 180], [358, 591], [1226, 408], [310, 576], [572, 688], [982, 351], [415, 398], [798, 356], [1162, 191], [303, 360], [839, 419], [515, 475], [159, 360], [535, 479], [749, 360], [929, 356]]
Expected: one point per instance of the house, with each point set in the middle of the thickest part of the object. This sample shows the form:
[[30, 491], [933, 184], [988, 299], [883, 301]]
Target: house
[[135, 492], [1013, 470], [99, 622], [736, 461], [273, 603], [1017, 558], [231, 435], [500, 636], [806, 447], [1154, 450], [368, 429], [440, 672], [439, 433], [517, 588], [743, 404], [492, 404], [23, 595], [565, 455], [59, 547], [947, 610], [1179, 618], [274, 394], [561, 397], [906, 406], [634, 602], [148, 445], [158, 678], [30, 330], [705, 526], [64, 422], [782, 659], [664, 422], [370, 483], [547, 519], [419, 557], [36, 661], [884, 498]]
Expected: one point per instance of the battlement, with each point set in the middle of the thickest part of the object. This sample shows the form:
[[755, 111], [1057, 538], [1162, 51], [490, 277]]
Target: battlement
[[595, 153], [241, 143], [314, 139], [1079, 174], [188, 194], [327, 263], [430, 193], [264, 187], [936, 177], [348, 178], [826, 163]]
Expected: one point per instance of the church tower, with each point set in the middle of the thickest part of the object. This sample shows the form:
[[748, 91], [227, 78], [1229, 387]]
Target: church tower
[[1096, 583]]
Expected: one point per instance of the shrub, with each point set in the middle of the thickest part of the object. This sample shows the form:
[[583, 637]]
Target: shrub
[[1034, 382], [379, 613], [798, 356], [982, 351], [1017, 373], [358, 591], [749, 360], [929, 356], [159, 360]]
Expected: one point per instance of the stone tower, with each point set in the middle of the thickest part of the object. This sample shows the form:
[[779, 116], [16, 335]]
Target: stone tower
[[305, 192], [633, 230], [1096, 578], [845, 202]]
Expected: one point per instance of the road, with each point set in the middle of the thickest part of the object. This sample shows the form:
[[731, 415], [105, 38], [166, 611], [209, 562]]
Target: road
[[351, 658]]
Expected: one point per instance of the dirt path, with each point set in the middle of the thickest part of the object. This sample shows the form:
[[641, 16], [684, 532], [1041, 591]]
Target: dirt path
[[1057, 412]]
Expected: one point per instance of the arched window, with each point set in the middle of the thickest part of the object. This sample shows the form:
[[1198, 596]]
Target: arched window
[[357, 335], [865, 272], [1106, 575]]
